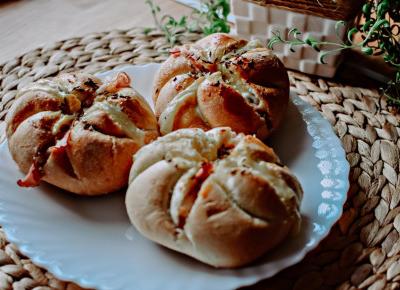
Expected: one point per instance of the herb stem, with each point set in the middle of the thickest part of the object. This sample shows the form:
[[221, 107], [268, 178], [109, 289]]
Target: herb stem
[[211, 18], [380, 36]]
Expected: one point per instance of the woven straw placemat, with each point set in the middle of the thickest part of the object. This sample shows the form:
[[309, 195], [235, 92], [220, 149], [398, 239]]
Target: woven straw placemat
[[362, 250]]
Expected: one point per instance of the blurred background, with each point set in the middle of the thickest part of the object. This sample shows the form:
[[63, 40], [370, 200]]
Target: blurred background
[[28, 24]]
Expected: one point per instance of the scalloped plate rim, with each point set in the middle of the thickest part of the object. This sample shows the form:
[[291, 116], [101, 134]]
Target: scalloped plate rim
[[44, 261]]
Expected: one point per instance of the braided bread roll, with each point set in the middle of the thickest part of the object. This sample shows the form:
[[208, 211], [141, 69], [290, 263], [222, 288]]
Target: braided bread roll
[[77, 133], [219, 197], [221, 81]]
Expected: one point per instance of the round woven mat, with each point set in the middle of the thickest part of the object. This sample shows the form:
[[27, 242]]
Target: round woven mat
[[363, 249]]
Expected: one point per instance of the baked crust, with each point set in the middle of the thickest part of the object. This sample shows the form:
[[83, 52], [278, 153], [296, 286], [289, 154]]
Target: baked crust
[[226, 68], [77, 133], [219, 197]]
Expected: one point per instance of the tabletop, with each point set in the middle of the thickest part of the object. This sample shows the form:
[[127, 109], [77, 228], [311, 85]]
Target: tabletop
[[26, 25]]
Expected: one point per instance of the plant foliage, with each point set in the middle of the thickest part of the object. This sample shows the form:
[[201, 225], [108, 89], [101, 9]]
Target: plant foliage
[[380, 35], [211, 18]]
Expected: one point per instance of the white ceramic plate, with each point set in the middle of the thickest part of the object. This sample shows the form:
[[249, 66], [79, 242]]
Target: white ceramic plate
[[90, 240]]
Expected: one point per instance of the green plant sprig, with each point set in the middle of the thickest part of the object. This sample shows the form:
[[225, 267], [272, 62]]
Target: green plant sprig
[[380, 35], [211, 18], [166, 23]]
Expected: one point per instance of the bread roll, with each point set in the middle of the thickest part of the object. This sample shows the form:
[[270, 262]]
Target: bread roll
[[221, 81], [77, 133], [219, 197]]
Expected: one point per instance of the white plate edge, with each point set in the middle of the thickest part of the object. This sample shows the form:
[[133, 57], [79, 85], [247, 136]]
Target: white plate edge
[[41, 260]]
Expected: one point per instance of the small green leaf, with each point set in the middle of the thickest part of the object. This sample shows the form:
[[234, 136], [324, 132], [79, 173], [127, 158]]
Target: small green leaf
[[366, 26], [322, 57], [309, 41], [211, 18], [367, 50], [388, 58], [147, 30], [294, 32], [315, 46], [272, 42], [182, 21], [366, 9], [350, 34], [383, 8]]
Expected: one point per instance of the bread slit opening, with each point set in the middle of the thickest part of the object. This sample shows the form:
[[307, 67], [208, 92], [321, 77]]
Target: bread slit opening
[[59, 153], [36, 172], [234, 202], [247, 92], [118, 125], [59, 129], [225, 150], [167, 117], [241, 48], [190, 197]]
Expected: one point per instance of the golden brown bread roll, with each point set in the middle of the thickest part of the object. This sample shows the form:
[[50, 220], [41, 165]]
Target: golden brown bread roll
[[77, 133], [221, 81], [219, 197]]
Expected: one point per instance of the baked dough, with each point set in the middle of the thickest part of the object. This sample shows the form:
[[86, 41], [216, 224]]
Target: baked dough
[[77, 133], [221, 81], [220, 197]]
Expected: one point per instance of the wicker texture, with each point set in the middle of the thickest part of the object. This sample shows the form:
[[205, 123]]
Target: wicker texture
[[333, 9], [363, 249]]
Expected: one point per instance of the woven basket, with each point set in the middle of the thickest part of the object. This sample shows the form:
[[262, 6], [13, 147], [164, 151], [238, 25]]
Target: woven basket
[[333, 9]]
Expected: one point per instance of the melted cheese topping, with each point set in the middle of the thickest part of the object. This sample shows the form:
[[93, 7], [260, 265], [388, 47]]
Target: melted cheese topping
[[181, 189], [189, 148], [118, 117], [264, 170], [185, 148], [167, 117], [64, 120], [47, 86], [240, 85], [133, 94], [252, 44], [236, 82]]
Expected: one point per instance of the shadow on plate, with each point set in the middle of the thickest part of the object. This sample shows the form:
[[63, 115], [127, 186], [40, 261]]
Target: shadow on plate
[[289, 247], [289, 139], [108, 208]]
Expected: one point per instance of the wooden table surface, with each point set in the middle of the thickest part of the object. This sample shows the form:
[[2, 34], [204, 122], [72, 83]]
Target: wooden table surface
[[28, 24]]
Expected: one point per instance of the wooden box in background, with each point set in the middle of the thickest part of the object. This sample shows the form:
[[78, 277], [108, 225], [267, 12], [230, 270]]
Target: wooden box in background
[[332, 9]]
